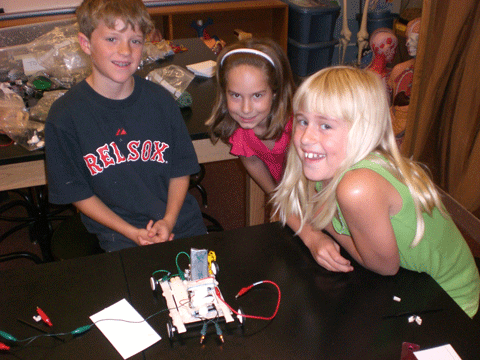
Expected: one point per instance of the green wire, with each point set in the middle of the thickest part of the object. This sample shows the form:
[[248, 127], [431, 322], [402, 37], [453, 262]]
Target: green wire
[[166, 277], [180, 272]]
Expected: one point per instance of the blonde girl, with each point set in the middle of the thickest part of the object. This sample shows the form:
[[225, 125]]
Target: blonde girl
[[345, 175]]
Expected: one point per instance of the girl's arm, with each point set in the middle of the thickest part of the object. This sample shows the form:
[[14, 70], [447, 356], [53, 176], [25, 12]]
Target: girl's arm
[[259, 172], [324, 249], [367, 202]]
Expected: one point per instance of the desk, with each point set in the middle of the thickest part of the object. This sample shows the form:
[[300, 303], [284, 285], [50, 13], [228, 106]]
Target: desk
[[322, 315], [20, 168]]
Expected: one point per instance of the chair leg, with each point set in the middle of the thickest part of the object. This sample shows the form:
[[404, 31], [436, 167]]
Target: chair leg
[[39, 219], [215, 224], [21, 255]]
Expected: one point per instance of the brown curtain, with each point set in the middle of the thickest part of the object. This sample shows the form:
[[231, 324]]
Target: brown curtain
[[443, 128]]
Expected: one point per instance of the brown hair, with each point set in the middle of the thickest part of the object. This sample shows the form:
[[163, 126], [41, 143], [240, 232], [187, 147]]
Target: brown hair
[[280, 79], [132, 12]]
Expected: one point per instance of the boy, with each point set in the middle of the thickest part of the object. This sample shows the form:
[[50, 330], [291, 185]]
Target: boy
[[116, 145]]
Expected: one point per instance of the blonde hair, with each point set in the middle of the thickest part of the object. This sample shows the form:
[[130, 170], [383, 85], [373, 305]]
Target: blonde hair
[[279, 77], [358, 97], [132, 12]]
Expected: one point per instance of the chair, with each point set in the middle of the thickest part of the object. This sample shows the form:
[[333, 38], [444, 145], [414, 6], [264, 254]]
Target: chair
[[468, 223], [72, 240], [40, 215], [195, 182]]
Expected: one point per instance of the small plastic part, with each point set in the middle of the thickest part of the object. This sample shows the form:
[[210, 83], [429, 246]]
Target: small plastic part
[[42, 83], [203, 333], [4, 347], [418, 320], [212, 257], [81, 330], [219, 332], [199, 263], [397, 299], [7, 336], [411, 319], [153, 283], [170, 330], [408, 351], [44, 316]]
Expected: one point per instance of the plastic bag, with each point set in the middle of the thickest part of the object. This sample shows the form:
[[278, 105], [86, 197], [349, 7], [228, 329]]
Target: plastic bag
[[155, 51], [174, 78], [40, 111], [59, 52], [16, 123]]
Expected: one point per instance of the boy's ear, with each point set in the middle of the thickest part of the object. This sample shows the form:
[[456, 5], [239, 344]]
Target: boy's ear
[[84, 43]]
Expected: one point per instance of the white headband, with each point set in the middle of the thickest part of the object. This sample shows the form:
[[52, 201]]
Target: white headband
[[249, 51]]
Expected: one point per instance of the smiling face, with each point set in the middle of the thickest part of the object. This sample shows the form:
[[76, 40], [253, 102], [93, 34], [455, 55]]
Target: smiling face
[[249, 97], [321, 144], [115, 54]]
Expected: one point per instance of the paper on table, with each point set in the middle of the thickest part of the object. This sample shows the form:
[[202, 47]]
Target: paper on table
[[444, 352], [204, 68], [129, 338]]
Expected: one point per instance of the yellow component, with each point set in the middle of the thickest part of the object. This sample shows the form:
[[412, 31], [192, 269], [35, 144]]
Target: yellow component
[[211, 257]]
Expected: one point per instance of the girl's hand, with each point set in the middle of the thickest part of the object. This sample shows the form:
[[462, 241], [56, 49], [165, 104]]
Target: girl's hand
[[326, 252]]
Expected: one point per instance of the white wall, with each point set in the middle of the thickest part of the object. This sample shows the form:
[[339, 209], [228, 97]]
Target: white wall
[[15, 6], [12, 6]]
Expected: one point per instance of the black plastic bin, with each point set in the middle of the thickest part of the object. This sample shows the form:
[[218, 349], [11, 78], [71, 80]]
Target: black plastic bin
[[312, 21], [305, 59]]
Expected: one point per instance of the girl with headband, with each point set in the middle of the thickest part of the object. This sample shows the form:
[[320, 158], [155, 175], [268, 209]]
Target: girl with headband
[[252, 111]]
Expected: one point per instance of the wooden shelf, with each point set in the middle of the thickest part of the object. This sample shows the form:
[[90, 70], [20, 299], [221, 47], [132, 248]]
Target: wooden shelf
[[262, 18]]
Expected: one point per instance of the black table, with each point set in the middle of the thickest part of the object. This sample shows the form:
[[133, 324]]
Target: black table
[[322, 315]]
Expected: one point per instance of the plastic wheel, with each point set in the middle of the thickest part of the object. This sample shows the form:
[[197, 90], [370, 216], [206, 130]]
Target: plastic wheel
[[153, 284], [241, 319], [215, 268], [171, 330]]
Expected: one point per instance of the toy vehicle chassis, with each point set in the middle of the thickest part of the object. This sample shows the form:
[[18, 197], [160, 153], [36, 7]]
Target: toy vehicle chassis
[[193, 305]]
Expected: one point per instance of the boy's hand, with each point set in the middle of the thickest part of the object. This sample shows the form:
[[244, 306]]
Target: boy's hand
[[155, 233], [159, 231]]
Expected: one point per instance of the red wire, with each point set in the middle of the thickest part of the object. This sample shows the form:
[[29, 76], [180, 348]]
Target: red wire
[[243, 291], [5, 145]]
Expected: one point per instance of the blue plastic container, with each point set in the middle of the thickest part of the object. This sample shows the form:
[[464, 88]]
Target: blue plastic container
[[305, 59], [377, 20], [312, 21]]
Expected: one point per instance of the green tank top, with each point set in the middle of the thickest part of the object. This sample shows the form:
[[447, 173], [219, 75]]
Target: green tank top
[[442, 253]]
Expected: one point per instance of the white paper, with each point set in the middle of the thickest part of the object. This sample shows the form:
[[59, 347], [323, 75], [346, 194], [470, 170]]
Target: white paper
[[31, 65], [129, 338], [204, 68], [444, 352]]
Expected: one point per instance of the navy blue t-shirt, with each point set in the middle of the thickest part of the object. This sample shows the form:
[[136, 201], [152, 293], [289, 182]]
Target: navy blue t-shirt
[[125, 152]]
